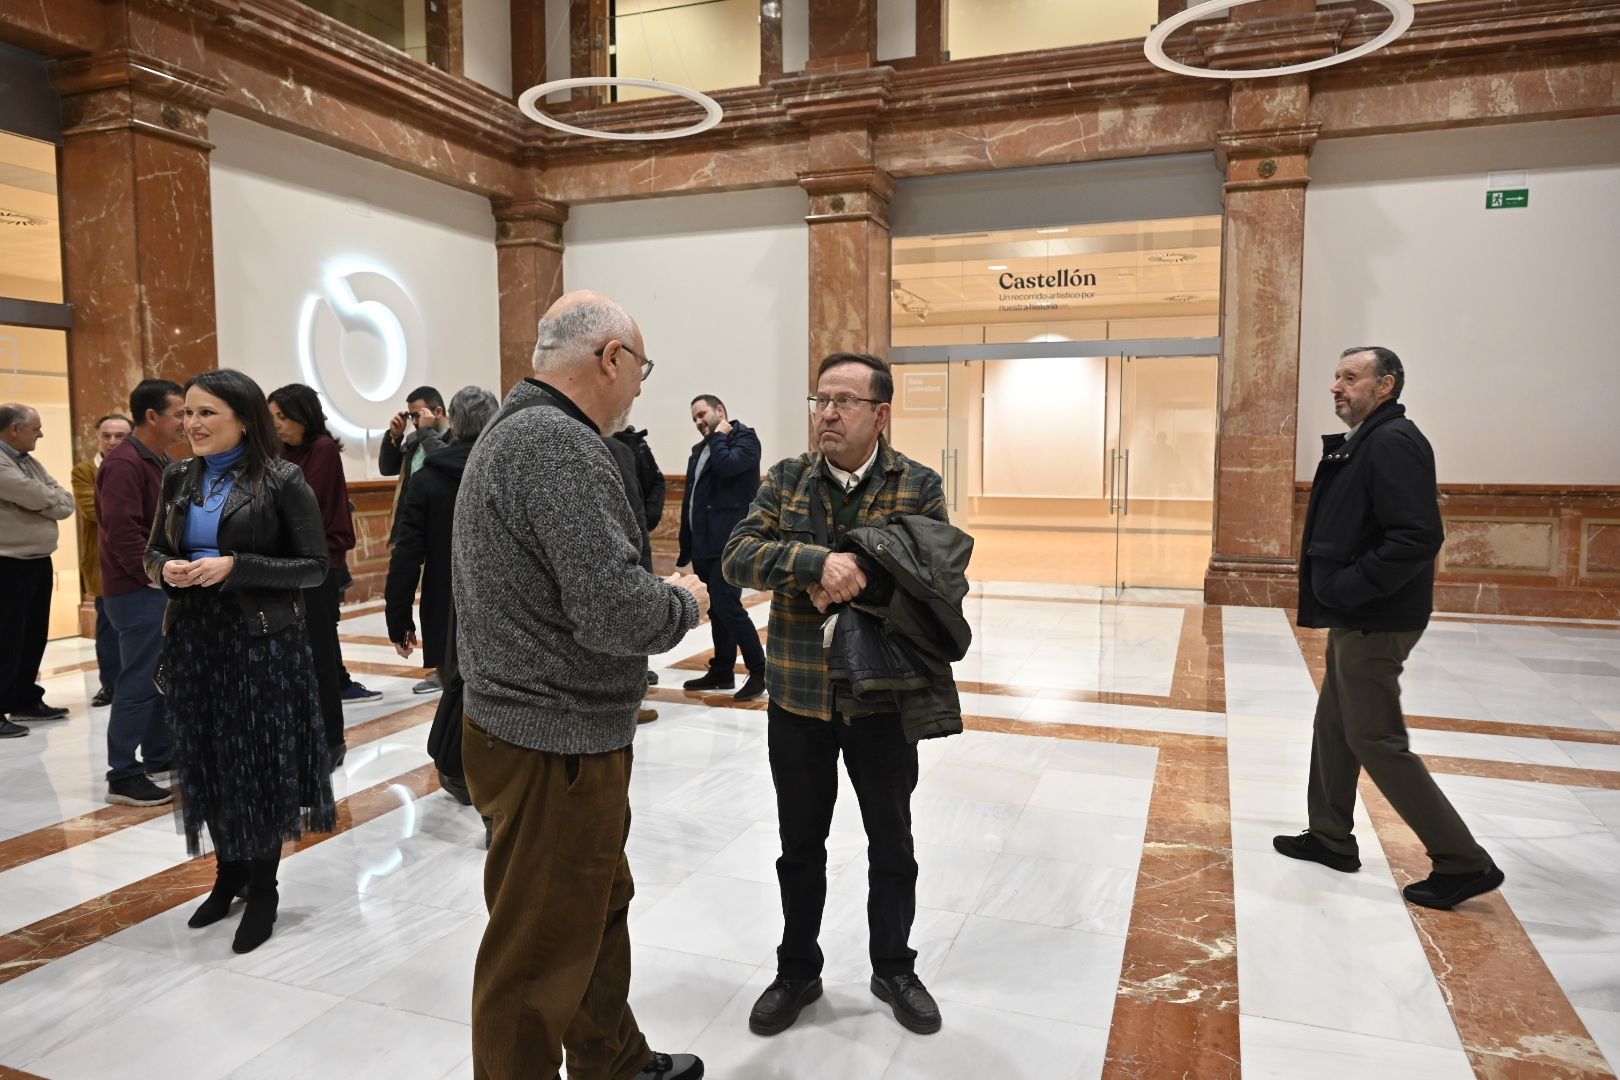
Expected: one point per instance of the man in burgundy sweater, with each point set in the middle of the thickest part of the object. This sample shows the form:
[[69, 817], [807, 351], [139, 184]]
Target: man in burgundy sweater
[[128, 488]]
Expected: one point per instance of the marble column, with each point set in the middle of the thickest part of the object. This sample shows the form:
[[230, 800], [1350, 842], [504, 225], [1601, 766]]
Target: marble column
[[843, 35], [1261, 266], [529, 255], [528, 45], [849, 261], [446, 40], [137, 228]]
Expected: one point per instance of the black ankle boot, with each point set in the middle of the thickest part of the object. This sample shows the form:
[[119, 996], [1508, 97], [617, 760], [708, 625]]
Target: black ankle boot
[[262, 898], [228, 881], [716, 678]]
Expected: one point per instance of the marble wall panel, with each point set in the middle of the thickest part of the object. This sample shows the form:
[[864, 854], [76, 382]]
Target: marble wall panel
[[373, 518], [1413, 98], [1600, 549], [1500, 546], [1092, 130], [601, 175]]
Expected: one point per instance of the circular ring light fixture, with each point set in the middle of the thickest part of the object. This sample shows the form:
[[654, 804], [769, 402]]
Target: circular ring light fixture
[[529, 103], [1401, 12]]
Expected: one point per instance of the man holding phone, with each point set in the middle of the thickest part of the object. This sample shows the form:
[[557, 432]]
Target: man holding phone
[[422, 428]]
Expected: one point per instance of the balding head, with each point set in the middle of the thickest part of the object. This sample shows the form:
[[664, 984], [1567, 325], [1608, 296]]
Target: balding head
[[577, 326], [589, 348], [20, 426]]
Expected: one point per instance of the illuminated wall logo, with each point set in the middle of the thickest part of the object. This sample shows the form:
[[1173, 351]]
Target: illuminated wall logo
[[360, 345]]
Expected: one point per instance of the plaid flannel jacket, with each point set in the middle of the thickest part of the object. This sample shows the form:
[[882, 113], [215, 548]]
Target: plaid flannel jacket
[[774, 548]]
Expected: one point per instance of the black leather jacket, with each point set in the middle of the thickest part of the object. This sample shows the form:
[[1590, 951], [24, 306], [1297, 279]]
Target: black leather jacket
[[274, 530]]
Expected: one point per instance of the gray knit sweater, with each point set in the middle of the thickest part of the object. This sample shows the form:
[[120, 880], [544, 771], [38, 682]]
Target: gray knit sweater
[[555, 617]]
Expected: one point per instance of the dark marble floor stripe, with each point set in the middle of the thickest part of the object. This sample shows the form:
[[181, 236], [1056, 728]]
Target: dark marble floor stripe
[[66, 932], [1515, 1021], [1520, 731], [110, 819]]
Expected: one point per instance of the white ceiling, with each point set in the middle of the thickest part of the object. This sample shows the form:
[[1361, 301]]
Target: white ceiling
[[30, 228]]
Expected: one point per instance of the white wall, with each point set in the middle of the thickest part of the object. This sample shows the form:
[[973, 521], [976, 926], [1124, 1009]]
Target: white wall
[[486, 31], [718, 284], [1506, 319], [297, 223], [559, 54], [896, 29]]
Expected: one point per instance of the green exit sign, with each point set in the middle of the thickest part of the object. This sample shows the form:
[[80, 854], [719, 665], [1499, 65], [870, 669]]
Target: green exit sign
[[1507, 199]]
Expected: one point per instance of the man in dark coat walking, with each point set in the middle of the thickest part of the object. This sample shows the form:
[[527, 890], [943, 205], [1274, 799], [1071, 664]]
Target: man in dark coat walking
[[721, 478], [1366, 571]]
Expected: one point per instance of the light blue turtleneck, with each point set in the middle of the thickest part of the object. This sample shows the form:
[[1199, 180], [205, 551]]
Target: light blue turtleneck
[[201, 540]]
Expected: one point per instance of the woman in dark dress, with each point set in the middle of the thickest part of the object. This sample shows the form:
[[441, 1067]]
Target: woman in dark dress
[[301, 426], [237, 537]]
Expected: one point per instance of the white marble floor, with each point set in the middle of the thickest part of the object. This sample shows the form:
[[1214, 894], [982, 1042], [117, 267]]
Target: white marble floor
[[1029, 848]]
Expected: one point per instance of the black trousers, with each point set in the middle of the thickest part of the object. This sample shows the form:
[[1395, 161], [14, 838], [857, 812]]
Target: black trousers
[[882, 766], [25, 626], [1360, 725], [321, 621], [729, 623]]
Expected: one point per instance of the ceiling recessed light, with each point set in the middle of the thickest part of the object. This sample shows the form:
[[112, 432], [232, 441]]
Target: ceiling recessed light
[[1172, 257], [997, 266], [1065, 228], [19, 220]]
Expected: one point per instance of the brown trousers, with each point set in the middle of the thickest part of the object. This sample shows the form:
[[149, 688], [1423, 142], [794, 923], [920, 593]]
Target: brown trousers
[[1359, 725], [553, 969]]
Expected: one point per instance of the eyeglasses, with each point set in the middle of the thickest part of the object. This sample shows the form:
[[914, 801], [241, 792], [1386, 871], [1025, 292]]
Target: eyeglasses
[[646, 364], [844, 403]]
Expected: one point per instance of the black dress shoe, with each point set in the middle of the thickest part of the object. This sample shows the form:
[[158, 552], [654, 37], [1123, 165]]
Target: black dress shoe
[[336, 753], [674, 1067], [913, 1005], [103, 698], [38, 711], [752, 687], [8, 730], [778, 1007], [713, 679], [1307, 847], [1446, 891]]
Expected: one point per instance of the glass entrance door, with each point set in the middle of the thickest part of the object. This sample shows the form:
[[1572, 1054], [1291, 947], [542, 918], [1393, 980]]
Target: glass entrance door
[[1093, 471], [1162, 469]]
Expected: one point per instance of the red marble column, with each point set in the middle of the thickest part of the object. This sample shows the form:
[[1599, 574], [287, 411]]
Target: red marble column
[[137, 228], [1261, 267], [528, 45], [446, 41], [528, 251], [849, 261], [843, 35]]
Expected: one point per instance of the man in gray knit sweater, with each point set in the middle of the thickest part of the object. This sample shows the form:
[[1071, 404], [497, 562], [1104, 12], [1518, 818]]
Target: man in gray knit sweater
[[556, 618]]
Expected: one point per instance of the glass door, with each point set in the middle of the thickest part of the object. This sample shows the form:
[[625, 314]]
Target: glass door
[[1161, 469], [1020, 445]]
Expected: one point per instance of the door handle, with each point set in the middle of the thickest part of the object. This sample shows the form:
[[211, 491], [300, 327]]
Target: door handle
[[956, 480], [1125, 493], [1113, 480]]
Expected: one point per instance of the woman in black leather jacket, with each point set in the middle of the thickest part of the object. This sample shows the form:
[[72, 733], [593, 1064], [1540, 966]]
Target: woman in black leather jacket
[[237, 536]]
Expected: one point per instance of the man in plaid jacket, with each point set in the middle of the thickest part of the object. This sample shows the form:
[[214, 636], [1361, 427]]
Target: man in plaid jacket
[[786, 544]]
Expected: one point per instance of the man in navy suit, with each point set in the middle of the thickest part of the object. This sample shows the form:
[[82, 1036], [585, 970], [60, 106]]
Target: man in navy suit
[[721, 478]]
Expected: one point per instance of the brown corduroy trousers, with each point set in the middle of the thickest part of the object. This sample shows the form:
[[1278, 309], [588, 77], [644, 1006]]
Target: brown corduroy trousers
[[553, 972]]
